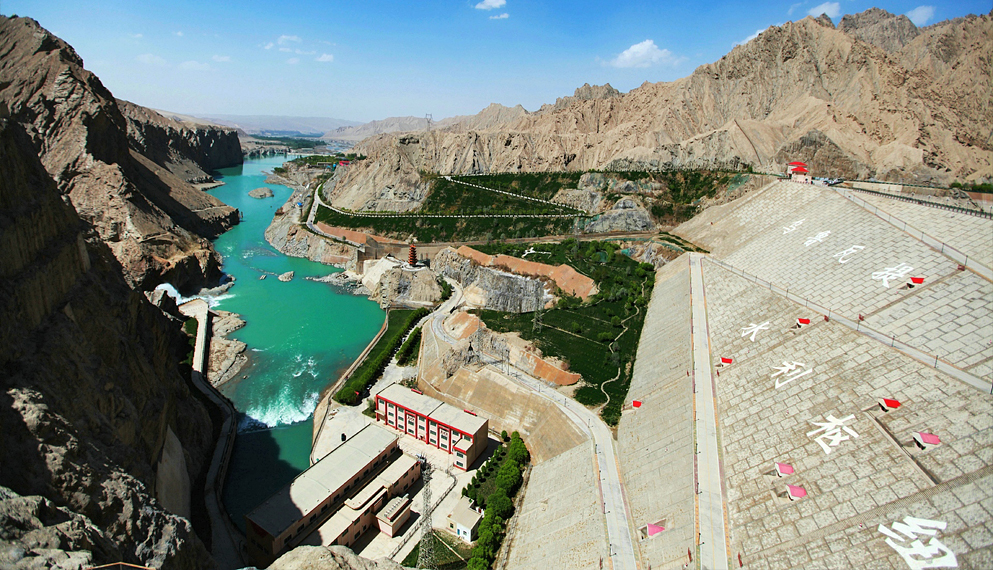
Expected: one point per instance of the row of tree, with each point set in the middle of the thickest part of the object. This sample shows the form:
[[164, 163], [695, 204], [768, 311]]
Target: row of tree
[[498, 505]]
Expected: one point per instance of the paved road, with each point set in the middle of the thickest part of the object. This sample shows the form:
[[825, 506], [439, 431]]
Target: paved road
[[709, 475], [622, 549]]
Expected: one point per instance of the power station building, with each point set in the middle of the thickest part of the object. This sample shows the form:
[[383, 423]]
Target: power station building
[[350, 490], [459, 432]]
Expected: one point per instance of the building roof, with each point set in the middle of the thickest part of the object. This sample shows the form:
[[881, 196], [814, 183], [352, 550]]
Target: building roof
[[464, 515], [410, 399], [458, 419], [310, 488], [394, 508], [800, 170], [797, 163]]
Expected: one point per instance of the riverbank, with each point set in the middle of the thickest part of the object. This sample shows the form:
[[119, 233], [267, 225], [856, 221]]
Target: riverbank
[[298, 337]]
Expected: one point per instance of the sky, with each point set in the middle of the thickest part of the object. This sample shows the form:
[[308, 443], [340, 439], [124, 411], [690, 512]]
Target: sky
[[372, 59]]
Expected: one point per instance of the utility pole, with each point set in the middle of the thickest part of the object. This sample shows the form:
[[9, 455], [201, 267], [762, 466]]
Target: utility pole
[[537, 324], [425, 554]]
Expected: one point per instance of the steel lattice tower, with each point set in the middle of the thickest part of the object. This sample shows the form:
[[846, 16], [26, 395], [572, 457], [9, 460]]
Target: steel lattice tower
[[425, 555]]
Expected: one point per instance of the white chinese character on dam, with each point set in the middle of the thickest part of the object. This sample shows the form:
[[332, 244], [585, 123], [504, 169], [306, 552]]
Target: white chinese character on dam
[[835, 432], [793, 226], [843, 255], [816, 239], [793, 370], [916, 554], [753, 329], [892, 273]]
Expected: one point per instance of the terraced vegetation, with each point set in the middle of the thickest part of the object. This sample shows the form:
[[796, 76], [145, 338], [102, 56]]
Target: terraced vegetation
[[599, 337], [675, 198], [450, 229]]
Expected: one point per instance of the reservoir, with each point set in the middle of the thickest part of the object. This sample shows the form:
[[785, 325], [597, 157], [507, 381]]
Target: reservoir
[[301, 335]]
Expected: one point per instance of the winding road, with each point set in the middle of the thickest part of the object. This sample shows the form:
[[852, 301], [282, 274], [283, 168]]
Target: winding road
[[622, 549]]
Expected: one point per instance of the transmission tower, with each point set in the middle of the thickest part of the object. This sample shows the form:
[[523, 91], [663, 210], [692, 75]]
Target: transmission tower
[[425, 554], [539, 309], [430, 119]]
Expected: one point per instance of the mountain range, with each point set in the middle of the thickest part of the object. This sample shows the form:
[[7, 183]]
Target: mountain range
[[874, 97]]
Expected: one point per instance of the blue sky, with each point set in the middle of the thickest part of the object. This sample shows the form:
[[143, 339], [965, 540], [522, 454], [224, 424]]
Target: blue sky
[[370, 59]]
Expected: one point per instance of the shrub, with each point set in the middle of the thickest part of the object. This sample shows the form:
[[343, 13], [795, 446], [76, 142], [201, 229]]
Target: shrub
[[505, 437]]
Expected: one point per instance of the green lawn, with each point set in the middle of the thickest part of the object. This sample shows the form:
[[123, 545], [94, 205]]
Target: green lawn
[[445, 559], [589, 336]]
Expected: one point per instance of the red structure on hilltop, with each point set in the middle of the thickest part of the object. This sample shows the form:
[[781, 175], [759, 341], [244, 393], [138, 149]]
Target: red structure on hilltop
[[412, 258]]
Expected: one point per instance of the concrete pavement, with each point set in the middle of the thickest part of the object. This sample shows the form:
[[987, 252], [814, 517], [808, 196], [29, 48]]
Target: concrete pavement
[[711, 515]]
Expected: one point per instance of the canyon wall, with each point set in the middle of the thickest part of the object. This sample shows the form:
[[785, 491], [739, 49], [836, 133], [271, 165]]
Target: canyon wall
[[93, 402], [156, 223]]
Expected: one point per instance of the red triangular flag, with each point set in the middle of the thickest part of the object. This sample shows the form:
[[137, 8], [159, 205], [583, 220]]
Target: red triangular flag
[[917, 280], [803, 321], [725, 360], [636, 403]]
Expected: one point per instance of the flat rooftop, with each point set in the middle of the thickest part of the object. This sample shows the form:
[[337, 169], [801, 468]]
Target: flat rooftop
[[458, 419], [464, 515], [409, 399], [310, 488]]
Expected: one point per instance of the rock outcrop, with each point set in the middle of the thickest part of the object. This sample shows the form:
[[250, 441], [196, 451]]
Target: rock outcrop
[[92, 389], [329, 558], [919, 114], [227, 356], [880, 28], [261, 193], [156, 223], [187, 150], [291, 237], [406, 287], [626, 215], [491, 288]]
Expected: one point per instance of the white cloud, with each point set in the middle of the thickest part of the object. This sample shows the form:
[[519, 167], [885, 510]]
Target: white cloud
[[301, 52], [491, 4], [180, 34], [751, 37], [221, 58], [286, 49], [921, 15], [503, 16], [269, 45], [194, 66], [150, 59], [793, 8], [644, 54], [325, 57], [283, 40], [136, 36], [293, 60], [832, 9]]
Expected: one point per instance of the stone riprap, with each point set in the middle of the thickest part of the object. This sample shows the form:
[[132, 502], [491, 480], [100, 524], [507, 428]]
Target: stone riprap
[[972, 235], [557, 524], [866, 472], [655, 442]]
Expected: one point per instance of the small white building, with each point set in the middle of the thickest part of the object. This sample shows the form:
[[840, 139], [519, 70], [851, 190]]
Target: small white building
[[464, 519]]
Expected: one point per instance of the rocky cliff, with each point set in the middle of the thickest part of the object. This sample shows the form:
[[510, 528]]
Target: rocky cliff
[[155, 223], [801, 91], [93, 399], [491, 288], [189, 151]]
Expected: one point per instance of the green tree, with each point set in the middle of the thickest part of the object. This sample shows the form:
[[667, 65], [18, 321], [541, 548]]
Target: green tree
[[499, 505], [509, 476], [504, 436]]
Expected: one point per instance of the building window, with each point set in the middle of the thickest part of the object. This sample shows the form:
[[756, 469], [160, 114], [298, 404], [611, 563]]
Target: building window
[[459, 454]]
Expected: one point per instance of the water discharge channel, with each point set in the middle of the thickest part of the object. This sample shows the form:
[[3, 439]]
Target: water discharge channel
[[300, 335]]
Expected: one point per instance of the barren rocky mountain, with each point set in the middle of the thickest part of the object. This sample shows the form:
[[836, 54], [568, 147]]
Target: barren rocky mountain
[[120, 174], [801, 91], [93, 397]]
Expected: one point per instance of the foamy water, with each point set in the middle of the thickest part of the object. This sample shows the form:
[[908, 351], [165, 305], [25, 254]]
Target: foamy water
[[212, 300]]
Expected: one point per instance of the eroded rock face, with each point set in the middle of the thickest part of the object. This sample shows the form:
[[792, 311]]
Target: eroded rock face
[[408, 287], [880, 28], [491, 288], [155, 223], [626, 215], [190, 152], [90, 384], [752, 107]]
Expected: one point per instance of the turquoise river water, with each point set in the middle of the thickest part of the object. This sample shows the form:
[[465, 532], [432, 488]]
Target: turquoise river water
[[301, 335]]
